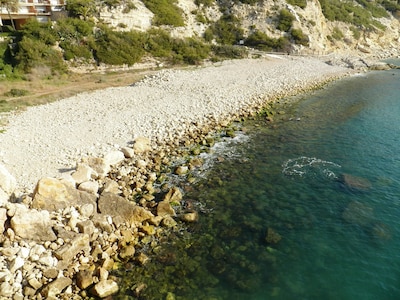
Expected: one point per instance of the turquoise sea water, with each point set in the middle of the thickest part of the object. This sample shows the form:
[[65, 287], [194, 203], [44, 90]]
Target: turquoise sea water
[[327, 240]]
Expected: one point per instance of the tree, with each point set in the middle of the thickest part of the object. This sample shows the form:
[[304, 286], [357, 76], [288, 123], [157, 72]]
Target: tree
[[10, 6], [81, 8]]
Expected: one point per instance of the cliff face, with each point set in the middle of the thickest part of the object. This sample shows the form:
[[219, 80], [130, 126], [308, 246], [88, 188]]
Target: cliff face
[[324, 36]]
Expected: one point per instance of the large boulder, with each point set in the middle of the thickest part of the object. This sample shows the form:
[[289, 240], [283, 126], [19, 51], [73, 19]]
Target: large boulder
[[8, 183], [114, 205], [53, 194], [31, 224]]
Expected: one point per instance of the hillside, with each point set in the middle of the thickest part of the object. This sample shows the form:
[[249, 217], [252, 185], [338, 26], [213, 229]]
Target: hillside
[[159, 32]]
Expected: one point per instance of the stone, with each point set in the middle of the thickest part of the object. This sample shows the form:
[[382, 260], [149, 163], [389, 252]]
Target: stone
[[142, 259], [56, 287], [358, 213], [8, 183], [181, 170], [4, 197], [84, 279], [141, 145], [127, 252], [31, 224], [83, 173], [6, 290], [100, 165], [190, 217], [174, 195], [53, 194], [355, 182], [34, 283], [68, 251], [272, 236], [164, 208], [114, 157], [86, 227], [86, 210], [148, 229], [3, 219], [111, 186], [114, 205], [168, 221], [104, 288], [16, 264], [91, 187], [128, 152]]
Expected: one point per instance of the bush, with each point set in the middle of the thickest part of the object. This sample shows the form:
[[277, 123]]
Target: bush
[[337, 34], [228, 51], [299, 37], [165, 12], [226, 30], [81, 8], [190, 51], [262, 41], [16, 93], [118, 48], [285, 20], [299, 3], [40, 31]]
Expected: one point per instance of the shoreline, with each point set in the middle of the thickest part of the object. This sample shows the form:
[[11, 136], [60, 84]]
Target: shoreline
[[83, 220]]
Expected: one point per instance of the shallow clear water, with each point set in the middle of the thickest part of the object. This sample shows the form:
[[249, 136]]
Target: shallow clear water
[[328, 240]]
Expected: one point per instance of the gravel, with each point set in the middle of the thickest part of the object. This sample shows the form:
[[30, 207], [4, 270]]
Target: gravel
[[48, 140]]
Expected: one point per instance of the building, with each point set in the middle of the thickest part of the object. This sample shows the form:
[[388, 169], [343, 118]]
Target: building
[[42, 10]]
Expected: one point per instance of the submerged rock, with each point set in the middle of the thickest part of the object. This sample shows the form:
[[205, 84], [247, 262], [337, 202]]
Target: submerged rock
[[354, 182], [358, 213], [272, 236]]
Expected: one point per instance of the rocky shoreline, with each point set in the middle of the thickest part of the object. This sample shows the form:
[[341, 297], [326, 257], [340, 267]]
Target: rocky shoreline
[[63, 238]]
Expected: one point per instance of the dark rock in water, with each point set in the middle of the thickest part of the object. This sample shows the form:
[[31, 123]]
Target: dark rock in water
[[380, 231], [272, 236], [358, 213], [354, 182]]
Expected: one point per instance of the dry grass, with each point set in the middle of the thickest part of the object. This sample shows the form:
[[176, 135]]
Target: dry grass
[[42, 90]]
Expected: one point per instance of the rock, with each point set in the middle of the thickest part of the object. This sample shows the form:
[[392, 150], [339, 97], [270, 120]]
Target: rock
[[168, 221], [181, 170], [84, 279], [84, 173], [142, 258], [56, 287], [164, 208], [114, 157], [8, 183], [53, 194], [128, 152], [86, 210], [174, 195], [381, 231], [86, 227], [111, 186], [127, 252], [354, 182], [104, 288], [141, 145], [68, 251], [114, 205], [190, 217], [272, 236], [358, 213], [4, 197], [6, 290], [31, 224], [3, 219], [91, 187], [100, 165]]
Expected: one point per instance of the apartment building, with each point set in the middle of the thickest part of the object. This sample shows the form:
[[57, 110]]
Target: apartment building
[[42, 10]]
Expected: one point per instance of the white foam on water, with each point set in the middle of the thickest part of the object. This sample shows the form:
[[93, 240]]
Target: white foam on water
[[309, 166]]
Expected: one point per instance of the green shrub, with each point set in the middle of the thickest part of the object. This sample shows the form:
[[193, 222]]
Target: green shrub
[[226, 30], [262, 41], [158, 43], [33, 52], [337, 34], [118, 48], [190, 51], [206, 3], [356, 32], [81, 8], [299, 37], [299, 3], [166, 12], [285, 20], [228, 51], [16, 93], [44, 32]]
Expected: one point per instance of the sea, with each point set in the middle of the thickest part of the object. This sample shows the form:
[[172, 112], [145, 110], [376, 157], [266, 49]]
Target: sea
[[304, 207]]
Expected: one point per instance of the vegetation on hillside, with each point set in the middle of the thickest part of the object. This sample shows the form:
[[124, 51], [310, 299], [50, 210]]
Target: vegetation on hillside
[[83, 38]]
